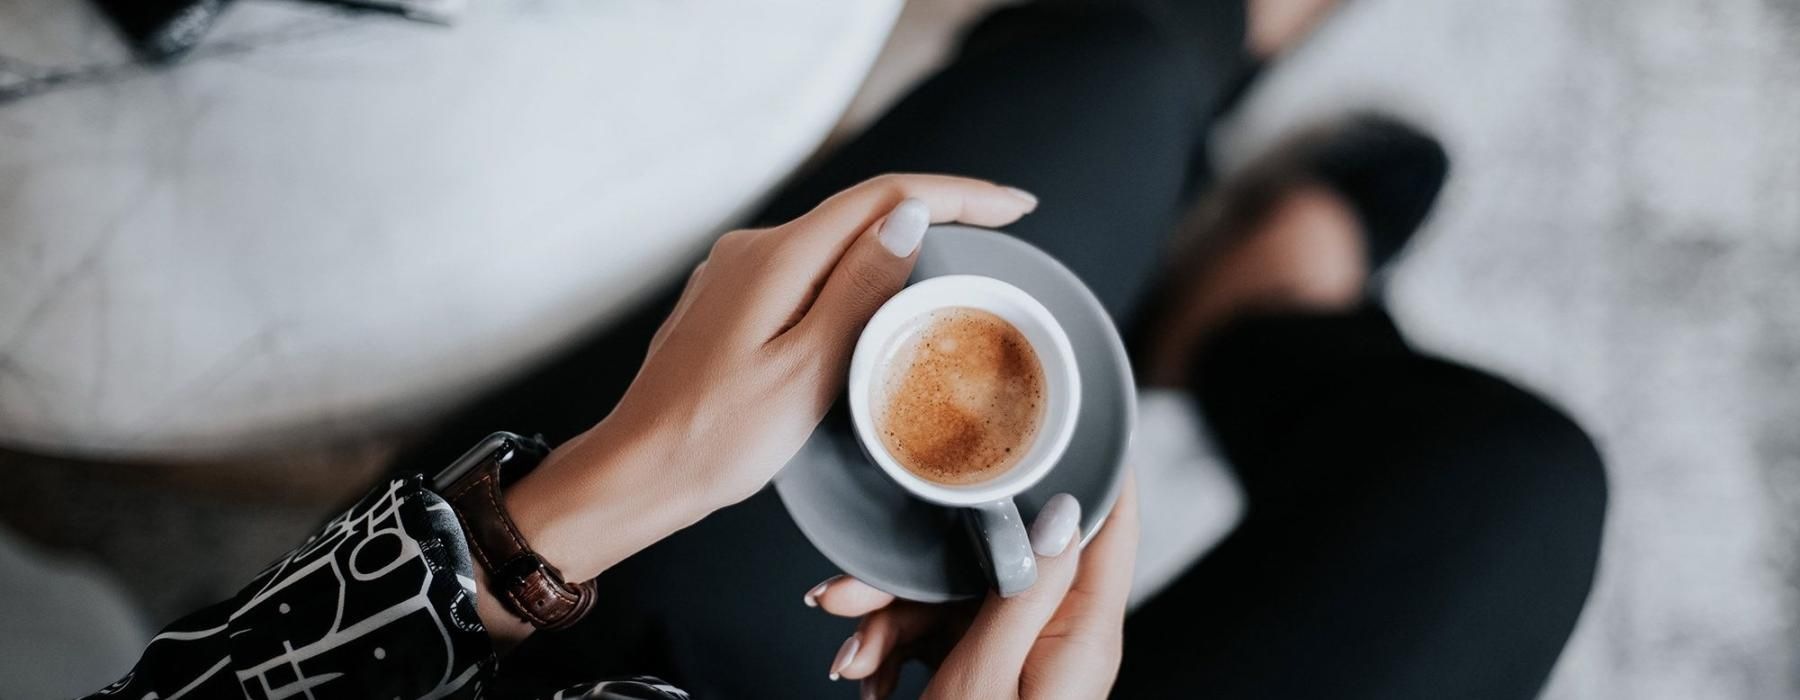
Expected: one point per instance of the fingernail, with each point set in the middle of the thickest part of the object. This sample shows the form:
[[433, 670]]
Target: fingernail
[[1022, 194], [868, 689], [845, 654], [1055, 525], [811, 599], [905, 227]]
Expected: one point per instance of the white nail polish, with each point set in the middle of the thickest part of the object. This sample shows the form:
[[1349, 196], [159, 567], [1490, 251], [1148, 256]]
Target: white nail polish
[[1055, 525], [1022, 194], [811, 599], [905, 227], [845, 655]]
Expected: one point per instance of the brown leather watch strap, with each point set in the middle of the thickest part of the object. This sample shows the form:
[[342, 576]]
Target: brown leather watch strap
[[522, 580]]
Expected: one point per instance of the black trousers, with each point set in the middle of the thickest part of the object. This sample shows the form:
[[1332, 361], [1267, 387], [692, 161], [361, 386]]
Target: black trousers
[[1415, 528]]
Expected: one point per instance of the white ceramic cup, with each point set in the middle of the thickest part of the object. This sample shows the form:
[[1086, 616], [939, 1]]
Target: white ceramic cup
[[993, 518]]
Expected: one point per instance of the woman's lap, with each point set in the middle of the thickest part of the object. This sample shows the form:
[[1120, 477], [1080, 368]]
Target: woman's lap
[[1095, 109]]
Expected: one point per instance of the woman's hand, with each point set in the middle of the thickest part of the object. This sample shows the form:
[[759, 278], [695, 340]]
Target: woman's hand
[[738, 376], [1060, 639], [758, 347]]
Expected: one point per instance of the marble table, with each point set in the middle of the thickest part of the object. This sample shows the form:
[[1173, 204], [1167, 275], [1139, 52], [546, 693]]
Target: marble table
[[324, 223]]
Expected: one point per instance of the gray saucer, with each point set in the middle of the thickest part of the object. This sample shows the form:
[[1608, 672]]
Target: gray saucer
[[873, 530]]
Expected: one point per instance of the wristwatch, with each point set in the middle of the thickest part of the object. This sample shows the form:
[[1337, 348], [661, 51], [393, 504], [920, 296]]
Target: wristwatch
[[527, 585]]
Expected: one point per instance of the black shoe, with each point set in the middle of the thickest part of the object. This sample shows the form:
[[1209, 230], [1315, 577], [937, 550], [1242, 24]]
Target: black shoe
[[1389, 173]]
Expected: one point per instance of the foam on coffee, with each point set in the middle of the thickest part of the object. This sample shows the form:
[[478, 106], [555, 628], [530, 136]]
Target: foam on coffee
[[962, 399]]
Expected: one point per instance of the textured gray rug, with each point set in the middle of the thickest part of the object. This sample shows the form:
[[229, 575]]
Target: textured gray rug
[[1622, 232]]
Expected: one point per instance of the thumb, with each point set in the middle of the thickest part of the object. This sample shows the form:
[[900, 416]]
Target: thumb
[[989, 659], [873, 269]]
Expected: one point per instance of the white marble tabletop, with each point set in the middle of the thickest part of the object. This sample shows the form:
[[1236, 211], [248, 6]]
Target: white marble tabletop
[[325, 224]]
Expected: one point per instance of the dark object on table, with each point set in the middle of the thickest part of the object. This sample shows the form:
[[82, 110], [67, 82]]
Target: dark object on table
[[162, 30]]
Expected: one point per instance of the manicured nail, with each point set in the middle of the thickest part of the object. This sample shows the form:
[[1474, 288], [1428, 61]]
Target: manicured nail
[[846, 653], [1022, 194], [1055, 525], [905, 227], [811, 599]]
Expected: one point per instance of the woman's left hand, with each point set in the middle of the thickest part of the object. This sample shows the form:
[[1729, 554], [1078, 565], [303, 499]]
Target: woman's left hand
[[742, 371], [1061, 638]]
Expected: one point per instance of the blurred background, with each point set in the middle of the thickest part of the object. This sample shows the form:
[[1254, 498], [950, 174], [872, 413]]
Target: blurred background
[[232, 286]]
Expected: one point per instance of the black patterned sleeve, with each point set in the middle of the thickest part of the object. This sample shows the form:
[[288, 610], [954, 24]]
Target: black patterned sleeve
[[380, 603]]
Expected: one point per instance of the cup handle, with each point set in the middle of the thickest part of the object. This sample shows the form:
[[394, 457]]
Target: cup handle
[[1004, 547]]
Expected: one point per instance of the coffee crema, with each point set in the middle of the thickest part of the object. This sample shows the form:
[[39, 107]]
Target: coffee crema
[[962, 399]]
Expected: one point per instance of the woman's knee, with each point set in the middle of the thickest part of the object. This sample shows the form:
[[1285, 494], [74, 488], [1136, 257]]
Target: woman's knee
[[1521, 461]]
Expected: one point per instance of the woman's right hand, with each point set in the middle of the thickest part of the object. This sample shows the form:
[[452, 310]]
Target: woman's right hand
[[1060, 639], [754, 354]]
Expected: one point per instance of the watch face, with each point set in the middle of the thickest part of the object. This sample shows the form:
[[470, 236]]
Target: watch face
[[520, 455], [498, 445], [516, 455]]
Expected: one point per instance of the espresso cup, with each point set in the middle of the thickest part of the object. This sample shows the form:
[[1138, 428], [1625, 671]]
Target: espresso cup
[[993, 518]]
